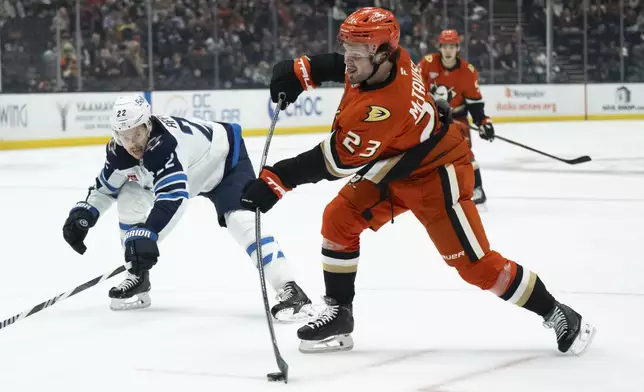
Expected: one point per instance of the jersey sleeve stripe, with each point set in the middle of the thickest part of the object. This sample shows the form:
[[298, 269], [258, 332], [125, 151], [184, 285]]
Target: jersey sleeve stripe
[[233, 131], [174, 195], [171, 179], [179, 186], [125, 226], [236, 143], [105, 183], [470, 101]]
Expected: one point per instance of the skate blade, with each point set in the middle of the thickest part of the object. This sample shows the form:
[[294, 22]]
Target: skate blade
[[482, 207], [307, 313], [582, 341], [139, 301], [331, 344]]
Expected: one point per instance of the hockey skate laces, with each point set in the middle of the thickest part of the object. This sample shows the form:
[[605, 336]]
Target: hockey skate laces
[[285, 293], [558, 322], [128, 283], [327, 315]]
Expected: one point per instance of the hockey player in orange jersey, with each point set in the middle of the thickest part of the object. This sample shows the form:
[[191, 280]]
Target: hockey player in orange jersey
[[406, 156], [453, 79]]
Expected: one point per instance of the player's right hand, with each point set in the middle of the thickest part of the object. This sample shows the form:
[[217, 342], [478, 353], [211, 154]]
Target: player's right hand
[[141, 249], [81, 218], [285, 80], [264, 192]]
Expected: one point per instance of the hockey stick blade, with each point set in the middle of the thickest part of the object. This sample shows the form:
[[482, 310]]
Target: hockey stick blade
[[574, 161], [63, 296], [579, 160], [282, 375]]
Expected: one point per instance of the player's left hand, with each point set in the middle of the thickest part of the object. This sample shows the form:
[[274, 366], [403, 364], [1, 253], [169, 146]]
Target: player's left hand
[[264, 192], [486, 131], [141, 249]]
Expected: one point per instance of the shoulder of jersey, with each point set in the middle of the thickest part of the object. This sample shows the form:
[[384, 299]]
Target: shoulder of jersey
[[118, 157], [161, 144], [432, 58], [467, 66]]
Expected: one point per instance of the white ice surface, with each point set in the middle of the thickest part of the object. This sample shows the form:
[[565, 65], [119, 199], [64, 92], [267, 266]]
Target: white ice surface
[[418, 326]]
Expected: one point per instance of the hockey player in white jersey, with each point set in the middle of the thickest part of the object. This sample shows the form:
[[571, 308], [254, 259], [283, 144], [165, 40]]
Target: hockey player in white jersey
[[154, 164]]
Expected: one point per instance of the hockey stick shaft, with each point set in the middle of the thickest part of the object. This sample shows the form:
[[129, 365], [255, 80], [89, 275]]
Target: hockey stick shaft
[[281, 363], [575, 161], [63, 296]]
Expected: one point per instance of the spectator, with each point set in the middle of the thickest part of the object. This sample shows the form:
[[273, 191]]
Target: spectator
[[192, 38], [508, 59]]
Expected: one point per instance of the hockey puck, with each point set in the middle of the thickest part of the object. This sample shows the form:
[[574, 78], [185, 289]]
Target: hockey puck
[[279, 376]]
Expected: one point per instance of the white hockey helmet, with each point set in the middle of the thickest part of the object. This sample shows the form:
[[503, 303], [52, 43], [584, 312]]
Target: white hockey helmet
[[129, 112]]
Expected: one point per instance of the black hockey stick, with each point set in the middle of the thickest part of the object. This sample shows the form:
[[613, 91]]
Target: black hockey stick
[[63, 296], [575, 161], [282, 375]]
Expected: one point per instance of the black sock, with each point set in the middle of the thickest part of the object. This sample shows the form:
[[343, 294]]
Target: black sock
[[478, 181], [541, 301], [340, 286]]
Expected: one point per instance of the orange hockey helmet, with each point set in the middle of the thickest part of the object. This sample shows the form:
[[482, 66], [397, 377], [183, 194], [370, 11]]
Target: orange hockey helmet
[[372, 26], [449, 36]]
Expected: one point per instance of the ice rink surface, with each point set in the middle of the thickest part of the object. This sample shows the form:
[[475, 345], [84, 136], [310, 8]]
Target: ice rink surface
[[418, 326]]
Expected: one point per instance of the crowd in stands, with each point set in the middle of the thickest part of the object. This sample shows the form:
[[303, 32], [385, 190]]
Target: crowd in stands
[[204, 44], [607, 42]]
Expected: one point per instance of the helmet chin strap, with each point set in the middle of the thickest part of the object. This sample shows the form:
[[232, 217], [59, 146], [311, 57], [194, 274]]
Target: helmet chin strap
[[376, 67]]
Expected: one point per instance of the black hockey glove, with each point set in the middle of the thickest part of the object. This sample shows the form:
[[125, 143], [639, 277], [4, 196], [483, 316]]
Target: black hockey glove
[[81, 218], [285, 80], [486, 130], [141, 249], [264, 192], [444, 111]]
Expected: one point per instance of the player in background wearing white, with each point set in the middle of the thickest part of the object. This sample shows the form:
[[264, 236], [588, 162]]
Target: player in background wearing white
[[154, 164]]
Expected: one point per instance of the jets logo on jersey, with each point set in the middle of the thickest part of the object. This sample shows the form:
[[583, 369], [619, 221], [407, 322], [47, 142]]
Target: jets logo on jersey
[[377, 113], [153, 143], [111, 146]]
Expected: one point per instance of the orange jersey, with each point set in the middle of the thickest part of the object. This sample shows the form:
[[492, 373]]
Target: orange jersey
[[381, 121], [459, 86]]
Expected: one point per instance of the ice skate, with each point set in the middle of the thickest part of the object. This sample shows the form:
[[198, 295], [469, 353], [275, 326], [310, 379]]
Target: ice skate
[[330, 332], [132, 293], [479, 199], [574, 334], [294, 305]]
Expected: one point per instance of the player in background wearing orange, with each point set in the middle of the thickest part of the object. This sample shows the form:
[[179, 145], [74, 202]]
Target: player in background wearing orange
[[453, 79], [407, 156]]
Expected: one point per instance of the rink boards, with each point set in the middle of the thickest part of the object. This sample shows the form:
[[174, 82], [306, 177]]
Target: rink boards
[[68, 119]]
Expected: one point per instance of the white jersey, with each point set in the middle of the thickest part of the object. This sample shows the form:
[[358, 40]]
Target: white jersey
[[183, 158]]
